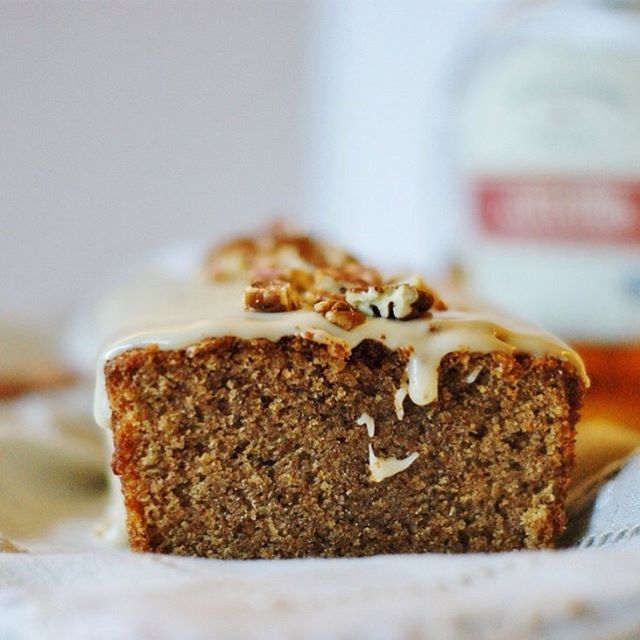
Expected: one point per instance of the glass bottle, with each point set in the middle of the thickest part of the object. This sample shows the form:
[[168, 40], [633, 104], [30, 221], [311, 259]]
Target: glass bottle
[[549, 150]]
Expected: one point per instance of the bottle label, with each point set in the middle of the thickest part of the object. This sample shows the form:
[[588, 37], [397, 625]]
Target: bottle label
[[577, 210]]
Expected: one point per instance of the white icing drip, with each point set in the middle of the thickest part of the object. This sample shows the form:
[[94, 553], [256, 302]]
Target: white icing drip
[[366, 419], [473, 375], [176, 312], [382, 468], [423, 385], [398, 400]]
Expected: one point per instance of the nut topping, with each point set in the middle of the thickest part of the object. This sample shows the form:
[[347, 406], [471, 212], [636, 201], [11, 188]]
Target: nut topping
[[396, 301], [231, 259], [271, 296], [417, 282], [278, 250], [336, 280], [289, 271], [340, 313], [300, 279]]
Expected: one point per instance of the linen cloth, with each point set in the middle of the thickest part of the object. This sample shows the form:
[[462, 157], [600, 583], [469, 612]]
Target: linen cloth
[[60, 579]]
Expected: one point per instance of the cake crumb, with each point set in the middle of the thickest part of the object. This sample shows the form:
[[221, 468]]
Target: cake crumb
[[228, 380]]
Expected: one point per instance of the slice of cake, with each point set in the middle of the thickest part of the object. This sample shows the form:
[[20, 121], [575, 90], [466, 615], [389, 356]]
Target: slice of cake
[[291, 402]]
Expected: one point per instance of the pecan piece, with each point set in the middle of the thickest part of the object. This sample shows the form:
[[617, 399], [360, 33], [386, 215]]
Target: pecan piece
[[340, 313], [231, 260], [396, 301], [338, 279], [419, 283], [314, 253], [271, 296], [300, 279]]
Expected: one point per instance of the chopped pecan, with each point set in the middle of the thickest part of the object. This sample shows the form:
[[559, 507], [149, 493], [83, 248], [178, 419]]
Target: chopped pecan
[[276, 250], [313, 252], [300, 279], [394, 301], [336, 280], [271, 296], [438, 303], [292, 271], [340, 313], [420, 284], [231, 259]]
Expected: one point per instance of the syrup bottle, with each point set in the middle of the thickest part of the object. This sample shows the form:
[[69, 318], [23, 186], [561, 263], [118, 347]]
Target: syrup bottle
[[549, 147]]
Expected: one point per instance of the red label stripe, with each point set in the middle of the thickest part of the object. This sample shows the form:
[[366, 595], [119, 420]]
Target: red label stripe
[[575, 210]]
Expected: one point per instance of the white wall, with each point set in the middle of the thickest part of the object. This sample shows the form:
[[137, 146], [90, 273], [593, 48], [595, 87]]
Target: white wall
[[381, 170], [127, 125]]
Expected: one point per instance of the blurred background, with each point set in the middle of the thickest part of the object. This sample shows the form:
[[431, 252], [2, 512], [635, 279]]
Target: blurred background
[[127, 126], [498, 140]]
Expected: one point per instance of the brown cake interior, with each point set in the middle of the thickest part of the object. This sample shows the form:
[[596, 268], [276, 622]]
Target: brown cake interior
[[250, 449]]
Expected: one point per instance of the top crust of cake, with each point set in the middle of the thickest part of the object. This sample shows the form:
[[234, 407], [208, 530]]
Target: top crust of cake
[[285, 284]]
